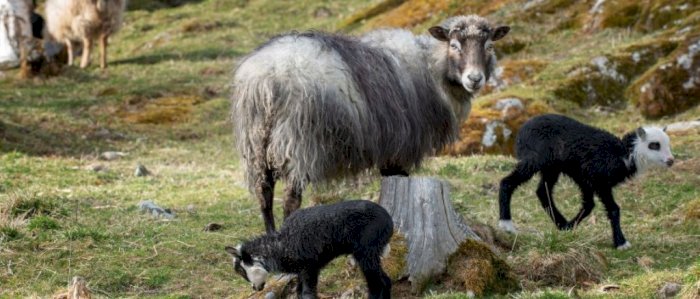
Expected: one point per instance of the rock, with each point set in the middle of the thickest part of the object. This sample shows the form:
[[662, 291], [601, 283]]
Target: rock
[[211, 227], [141, 170], [669, 290], [672, 85], [98, 167], [152, 208], [111, 155], [492, 126], [683, 126], [603, 79]]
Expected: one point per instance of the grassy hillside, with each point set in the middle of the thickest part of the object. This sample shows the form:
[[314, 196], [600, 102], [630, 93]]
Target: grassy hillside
[[65, 212]]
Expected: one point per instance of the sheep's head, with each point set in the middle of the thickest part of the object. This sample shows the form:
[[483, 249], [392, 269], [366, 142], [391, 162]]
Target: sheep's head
[[470, 55], [652, 148], [251, 269]]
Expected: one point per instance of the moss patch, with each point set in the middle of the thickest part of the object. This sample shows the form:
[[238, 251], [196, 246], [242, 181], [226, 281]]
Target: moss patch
[[475, 269], [395, 264], [160, 110]]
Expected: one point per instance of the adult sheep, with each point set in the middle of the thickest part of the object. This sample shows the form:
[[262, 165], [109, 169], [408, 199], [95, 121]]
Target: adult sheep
[[312, 107], [84, 21]]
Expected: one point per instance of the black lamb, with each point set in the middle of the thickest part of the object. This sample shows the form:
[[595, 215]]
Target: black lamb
[[596, 160], [310, 238]]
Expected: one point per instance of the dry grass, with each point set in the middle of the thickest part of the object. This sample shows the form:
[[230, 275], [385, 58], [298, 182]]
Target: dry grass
[[582, 267]]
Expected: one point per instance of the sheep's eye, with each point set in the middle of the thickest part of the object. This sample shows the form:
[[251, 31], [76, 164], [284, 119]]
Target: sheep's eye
[[455, 47], [654, 146]]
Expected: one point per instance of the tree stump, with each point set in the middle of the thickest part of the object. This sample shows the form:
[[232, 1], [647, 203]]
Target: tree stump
[[422, 211]]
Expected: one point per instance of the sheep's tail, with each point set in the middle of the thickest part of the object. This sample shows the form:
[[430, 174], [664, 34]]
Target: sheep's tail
[[303, 131]]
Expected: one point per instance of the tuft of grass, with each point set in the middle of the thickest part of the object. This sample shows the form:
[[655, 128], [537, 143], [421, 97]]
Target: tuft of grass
[[43, 223]]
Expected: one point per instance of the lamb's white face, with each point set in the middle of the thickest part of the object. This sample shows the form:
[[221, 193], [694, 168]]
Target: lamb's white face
[[251, 269], [653, 148]]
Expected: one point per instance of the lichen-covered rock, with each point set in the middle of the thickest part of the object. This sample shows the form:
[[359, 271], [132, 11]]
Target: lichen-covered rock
[[603, 79], [644, 16], [475, 269], [512, 72], [492, 126], [672, 85]]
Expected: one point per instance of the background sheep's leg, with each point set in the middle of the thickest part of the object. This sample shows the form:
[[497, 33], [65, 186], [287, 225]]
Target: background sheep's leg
[[544, 193], [265, 192], [614, 216], [103, 51], [87, 47], [588, 205], [293, 200], [69, 48]]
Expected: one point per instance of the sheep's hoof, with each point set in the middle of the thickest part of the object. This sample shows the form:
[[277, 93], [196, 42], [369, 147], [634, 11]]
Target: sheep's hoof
[[625, 246], [507, 225]]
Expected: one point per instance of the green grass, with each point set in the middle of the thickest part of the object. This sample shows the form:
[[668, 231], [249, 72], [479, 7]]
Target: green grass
[[59, 218]]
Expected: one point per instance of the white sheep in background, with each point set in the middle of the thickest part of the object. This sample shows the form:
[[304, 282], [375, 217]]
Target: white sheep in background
[[84, 21]]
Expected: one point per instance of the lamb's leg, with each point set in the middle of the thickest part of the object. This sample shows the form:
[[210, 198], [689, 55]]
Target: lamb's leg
[[300, 286], [522, 173], [103, 51], [87, 47], [265, 192], [378, 283], [586, 208], [293, 200], [544, 193], [69, 48], [613, 209], [309, 281]]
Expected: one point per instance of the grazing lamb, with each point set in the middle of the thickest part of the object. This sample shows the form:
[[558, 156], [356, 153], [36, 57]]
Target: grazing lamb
[[312, 107], [596, 160], [311, 238], [84, 21]]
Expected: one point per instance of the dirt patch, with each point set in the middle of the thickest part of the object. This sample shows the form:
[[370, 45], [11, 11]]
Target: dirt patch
[[582, 267], [164, 110]]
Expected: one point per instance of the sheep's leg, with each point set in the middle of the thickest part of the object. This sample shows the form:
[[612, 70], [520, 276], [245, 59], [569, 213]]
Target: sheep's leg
[[586, 208], [265, 192], [69, 48], [378, 283], [300, 286], [309, 281], [103, 51], [613, 209], [544, 193], [522, 173], [87, 47], [293, 200]]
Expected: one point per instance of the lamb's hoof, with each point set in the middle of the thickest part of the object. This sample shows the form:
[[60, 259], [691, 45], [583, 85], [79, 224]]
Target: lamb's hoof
[[625, 246], [507, 225]]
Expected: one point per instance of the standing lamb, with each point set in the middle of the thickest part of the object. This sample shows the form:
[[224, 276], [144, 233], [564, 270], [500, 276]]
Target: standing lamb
[[596, 160], [84, 21], [311, 238], [313, 107]]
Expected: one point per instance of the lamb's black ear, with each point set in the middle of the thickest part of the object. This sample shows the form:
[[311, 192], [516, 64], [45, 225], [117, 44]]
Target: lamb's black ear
[[641, 133], [500, 32], [234, 251], [664, 129], [439, 33]]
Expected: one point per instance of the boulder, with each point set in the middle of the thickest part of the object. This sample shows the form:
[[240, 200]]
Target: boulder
[[493, 125], [672, 85]]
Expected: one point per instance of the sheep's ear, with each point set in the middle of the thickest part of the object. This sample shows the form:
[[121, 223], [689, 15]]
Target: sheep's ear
[[500, 32], [439, 33], [664, 129], [234, 251], [641, 133]]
